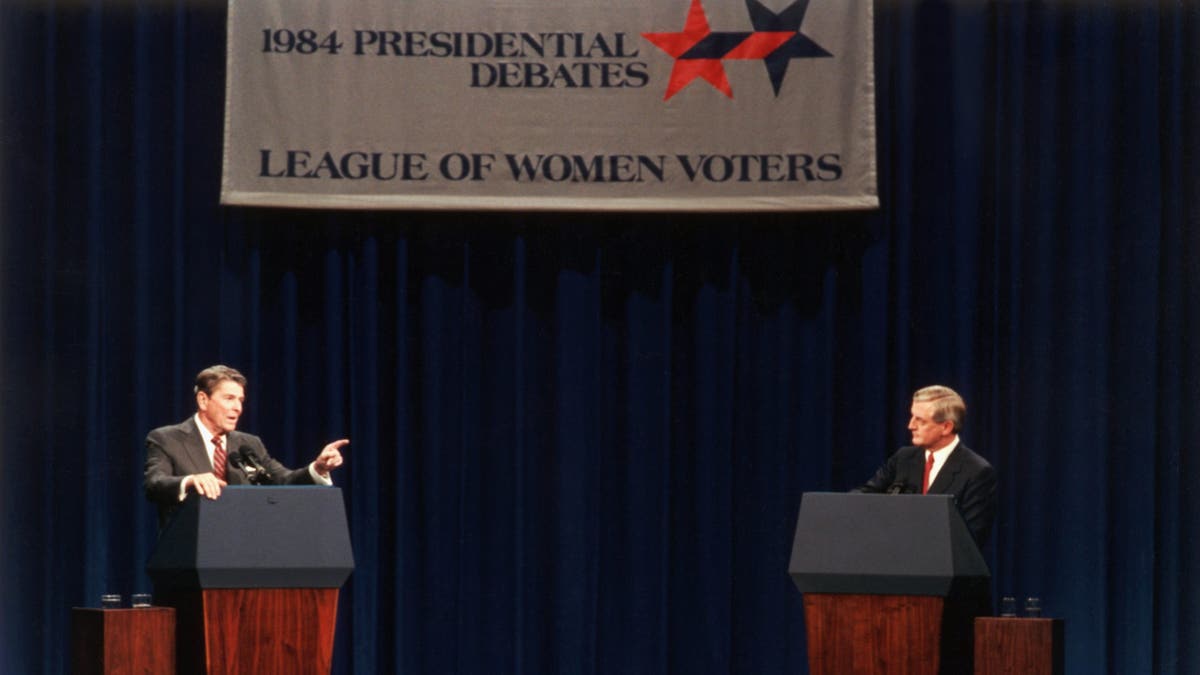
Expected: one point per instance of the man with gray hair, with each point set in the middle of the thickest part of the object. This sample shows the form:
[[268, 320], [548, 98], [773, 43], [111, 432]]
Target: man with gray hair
[[938, 463]]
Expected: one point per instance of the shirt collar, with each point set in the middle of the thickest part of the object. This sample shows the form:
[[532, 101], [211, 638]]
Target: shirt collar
[[942, 454], [207, 436]]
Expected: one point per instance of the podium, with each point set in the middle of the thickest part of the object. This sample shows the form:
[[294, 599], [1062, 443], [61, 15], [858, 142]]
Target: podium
[[891, 584], [254, 579]]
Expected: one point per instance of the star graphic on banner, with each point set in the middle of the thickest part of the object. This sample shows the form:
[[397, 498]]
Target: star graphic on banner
[[743, 45], [799, 46], [699, 51], [689, 67]]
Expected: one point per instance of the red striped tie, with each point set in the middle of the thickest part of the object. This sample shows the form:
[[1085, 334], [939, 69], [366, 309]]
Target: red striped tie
[[928, 468], [219, 459]]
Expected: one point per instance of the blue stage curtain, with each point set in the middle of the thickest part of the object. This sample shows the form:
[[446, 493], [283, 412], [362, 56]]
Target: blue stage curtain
[[579, 441]]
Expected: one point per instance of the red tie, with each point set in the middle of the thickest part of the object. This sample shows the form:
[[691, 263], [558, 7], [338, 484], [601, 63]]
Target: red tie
[[928, 468], [219, 460]]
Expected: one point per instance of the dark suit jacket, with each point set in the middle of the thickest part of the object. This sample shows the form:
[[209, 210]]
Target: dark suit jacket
[[965, 475], [177, 450]]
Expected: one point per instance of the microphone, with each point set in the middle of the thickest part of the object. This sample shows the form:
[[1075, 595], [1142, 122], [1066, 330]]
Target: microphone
[[235, 460], [897, 488], [247, 462]]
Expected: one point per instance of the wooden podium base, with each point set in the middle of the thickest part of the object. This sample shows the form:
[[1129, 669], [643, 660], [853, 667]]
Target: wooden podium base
[[1011, 646], [873, 634], [111, 641], [251, 631]]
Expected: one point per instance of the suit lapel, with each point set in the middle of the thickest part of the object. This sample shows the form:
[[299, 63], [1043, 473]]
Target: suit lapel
[[194, 444], [949, 472], [916, 471]]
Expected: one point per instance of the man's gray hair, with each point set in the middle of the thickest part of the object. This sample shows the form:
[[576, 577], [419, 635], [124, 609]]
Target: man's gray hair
[[947, 404]]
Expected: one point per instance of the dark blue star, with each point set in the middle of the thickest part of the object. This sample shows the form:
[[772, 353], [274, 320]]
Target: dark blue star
[[800, 46]]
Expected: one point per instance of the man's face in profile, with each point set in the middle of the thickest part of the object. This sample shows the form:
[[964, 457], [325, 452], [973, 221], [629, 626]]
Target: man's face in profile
[[925, 432], [220, 410]]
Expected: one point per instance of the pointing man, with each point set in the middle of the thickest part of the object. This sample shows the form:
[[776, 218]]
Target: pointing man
[[201, 453]]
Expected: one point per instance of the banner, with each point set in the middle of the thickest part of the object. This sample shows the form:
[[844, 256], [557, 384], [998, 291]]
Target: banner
[[649, 105]]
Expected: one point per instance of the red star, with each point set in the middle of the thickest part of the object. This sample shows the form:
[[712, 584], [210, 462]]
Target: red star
[[686, 70]]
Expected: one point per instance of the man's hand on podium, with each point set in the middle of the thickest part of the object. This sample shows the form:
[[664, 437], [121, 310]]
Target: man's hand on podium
[[205, 484]]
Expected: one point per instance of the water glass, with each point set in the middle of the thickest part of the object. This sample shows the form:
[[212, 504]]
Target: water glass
[[1033, 607], [1008, 606]]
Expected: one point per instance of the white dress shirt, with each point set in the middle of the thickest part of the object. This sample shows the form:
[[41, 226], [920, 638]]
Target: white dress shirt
[[939, 458]]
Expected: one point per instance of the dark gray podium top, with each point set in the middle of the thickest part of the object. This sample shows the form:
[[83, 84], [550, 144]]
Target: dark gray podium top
[[882, 544], [255, 537]]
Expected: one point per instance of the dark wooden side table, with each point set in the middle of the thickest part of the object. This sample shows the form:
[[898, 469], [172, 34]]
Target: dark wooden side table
[[1018, 646], [124, 641]]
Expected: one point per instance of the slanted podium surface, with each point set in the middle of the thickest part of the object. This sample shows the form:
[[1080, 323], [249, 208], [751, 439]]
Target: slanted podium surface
[[889, 544], [255, 537]]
